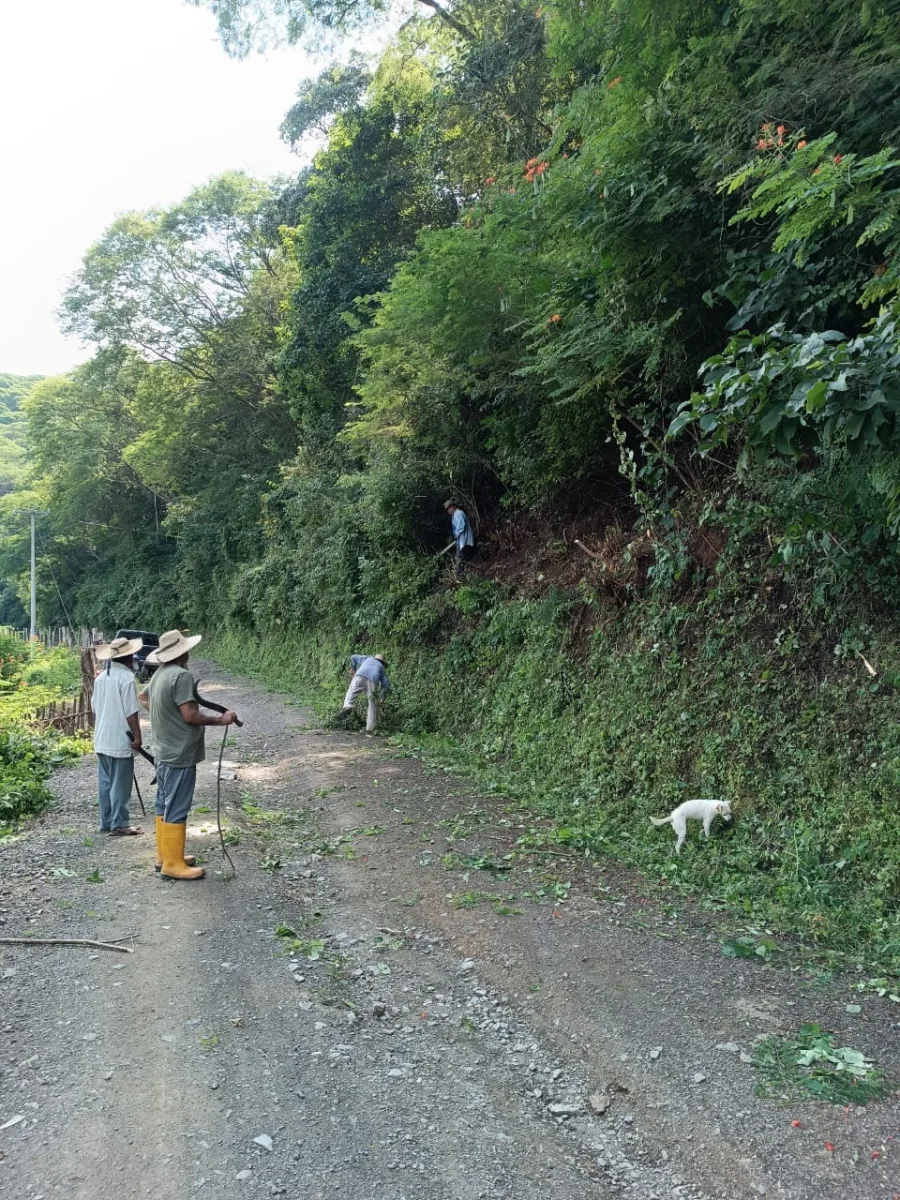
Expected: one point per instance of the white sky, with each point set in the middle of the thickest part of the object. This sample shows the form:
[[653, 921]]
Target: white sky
[[106, 106]]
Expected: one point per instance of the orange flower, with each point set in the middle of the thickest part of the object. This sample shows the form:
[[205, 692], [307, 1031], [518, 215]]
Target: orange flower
[[796, 1125], [615, 82], [762, 144], [838, 159], [554, 319], [490, 180], [780, 131], [829, 1146], [801, 145]]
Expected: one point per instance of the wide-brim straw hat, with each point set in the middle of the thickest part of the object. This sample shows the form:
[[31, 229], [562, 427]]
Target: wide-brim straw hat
[[118, 648], [381, 659], [172, 645]]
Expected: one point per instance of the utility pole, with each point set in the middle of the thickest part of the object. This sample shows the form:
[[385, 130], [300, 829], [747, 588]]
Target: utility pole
[[33, 513], [33, 631]]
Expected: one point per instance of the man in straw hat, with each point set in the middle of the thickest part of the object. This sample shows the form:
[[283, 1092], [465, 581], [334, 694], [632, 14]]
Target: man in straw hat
[[367, 674], [115, 705], [178, 744]]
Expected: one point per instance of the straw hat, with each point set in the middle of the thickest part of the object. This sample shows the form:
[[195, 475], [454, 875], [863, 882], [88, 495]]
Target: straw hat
[[381, 659], [118, 648], [172, 645]]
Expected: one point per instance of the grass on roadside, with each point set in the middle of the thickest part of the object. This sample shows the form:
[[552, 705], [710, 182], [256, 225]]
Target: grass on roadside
[[30, 678]]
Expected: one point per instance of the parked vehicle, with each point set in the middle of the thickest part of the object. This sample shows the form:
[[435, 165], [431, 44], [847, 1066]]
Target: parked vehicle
[[142, 668]]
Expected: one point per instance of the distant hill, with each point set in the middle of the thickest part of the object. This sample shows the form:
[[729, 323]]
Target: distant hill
[[13, 387], [12, 426]]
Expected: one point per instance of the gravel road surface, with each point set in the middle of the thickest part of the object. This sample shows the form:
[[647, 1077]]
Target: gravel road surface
[[381, 1004]]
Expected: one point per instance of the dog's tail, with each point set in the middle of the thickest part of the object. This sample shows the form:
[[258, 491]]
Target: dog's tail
[[659, 820]]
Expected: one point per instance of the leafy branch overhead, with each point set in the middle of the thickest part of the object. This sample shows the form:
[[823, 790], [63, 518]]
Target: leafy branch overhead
[[245, 25]]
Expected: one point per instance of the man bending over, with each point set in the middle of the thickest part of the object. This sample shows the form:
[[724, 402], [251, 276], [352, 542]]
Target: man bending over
[[367, 674]]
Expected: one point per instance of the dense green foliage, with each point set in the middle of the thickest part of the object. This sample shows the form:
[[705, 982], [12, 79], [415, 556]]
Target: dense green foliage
[[12, 427], [626, 272], [30, 677], [12, 460]]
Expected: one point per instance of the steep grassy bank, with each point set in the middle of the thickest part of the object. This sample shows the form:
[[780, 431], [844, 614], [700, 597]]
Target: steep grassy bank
[[661, 704]]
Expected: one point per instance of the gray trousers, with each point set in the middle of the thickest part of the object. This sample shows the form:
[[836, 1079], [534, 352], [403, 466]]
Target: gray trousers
[[114, 779], [358, 685], [174, 792]]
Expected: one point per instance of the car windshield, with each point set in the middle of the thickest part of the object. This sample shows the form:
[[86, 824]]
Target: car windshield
[[149, 639]]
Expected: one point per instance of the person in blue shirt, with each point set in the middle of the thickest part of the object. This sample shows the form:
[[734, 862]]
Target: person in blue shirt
[[367, 674], [462, 534]]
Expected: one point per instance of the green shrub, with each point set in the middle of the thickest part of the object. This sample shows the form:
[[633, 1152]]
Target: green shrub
[[25, 763], [58, 668]]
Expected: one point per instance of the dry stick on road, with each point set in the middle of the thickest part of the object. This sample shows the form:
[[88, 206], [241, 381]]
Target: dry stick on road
[[14, 941]]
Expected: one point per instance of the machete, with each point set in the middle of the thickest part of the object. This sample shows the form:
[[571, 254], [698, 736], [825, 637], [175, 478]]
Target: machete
[[211, 704]]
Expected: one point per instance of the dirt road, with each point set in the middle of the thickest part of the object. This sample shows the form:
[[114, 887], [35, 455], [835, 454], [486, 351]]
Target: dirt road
[[377, 1007]]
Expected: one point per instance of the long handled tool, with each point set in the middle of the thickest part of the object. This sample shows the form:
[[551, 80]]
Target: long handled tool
[[144, 754], [139, 796], [137, 786], [219, 708]]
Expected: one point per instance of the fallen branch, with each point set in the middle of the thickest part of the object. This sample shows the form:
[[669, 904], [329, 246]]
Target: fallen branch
[[16, 941], [590, 553]]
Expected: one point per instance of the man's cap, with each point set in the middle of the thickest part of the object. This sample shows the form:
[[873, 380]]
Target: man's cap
[[450, 504]]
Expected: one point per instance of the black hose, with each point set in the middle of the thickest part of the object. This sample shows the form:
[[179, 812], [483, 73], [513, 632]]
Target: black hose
[[219, 803]]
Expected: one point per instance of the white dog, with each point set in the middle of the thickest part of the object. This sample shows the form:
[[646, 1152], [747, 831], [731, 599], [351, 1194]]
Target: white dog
[[697, 810]]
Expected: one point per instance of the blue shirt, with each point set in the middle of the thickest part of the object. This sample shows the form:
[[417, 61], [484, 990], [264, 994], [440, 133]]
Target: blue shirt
[[462, 530], [367, 667]]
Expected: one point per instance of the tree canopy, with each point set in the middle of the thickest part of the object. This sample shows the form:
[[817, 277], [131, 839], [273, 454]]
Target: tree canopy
[[540, 257]]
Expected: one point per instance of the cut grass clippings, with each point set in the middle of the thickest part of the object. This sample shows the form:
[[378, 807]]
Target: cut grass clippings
[[808, 1065]]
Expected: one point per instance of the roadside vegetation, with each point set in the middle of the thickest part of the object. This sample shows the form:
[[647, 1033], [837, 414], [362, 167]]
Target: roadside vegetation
[[620, 273], [31, 677]]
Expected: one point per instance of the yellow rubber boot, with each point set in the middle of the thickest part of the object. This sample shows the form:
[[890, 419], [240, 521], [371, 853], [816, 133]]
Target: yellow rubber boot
[[173, 864], [190, 859]]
